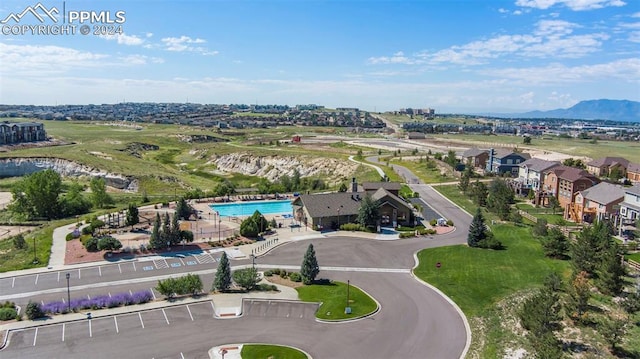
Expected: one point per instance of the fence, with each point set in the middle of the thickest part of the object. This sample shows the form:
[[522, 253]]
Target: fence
[[528, 216], [633, 264]]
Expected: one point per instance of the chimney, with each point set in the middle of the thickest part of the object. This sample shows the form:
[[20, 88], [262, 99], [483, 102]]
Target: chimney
[[354, 185]]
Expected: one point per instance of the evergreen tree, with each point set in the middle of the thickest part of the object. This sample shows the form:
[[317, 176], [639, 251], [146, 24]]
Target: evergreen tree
[[477, 230], [99, 195], [540, 228], [309, 269], [577, 300], [465, 179], [183, 209], [479, 193], [554, 204], [155, 241], [587, 250], [611, 273], [222, 281], [368, 212], [499, 199], [175, 230], [343, 187], [555, 244], [613, 331], [19, 242], [133, 216], [165, 234]]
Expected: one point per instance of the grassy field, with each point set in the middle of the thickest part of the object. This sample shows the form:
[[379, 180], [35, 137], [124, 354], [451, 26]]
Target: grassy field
[[334, 298], [427, 175], [16, 259], [570, 146], [263, 351], [400, 119]]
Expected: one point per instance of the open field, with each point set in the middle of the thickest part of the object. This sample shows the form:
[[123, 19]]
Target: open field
[[570, 146], [400, 119], [333, 297]]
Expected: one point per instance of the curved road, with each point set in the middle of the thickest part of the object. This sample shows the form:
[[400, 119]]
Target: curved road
[[414, 321]]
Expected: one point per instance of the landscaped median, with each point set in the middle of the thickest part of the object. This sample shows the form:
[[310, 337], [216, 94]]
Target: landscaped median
[[333, 298]]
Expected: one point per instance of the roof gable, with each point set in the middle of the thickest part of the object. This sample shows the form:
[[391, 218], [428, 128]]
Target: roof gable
[[604, 193]]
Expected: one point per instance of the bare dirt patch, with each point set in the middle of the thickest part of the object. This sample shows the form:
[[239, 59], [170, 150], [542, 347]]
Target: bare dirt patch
[[283, 281]]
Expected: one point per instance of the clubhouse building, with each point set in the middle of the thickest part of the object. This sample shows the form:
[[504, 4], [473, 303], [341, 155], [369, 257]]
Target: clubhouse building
[[330, 210]]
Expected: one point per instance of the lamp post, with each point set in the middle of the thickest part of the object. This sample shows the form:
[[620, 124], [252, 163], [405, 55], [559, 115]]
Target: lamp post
[[35, 257], [68, 293], [338, 218], [347, 309], [219, 225], [253, 261]]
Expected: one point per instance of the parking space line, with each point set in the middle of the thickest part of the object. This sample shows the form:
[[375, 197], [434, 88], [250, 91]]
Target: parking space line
[[13, 282], [181, 261], [116, 322], [35, 337], [90, 332], [63, 326], [79, 275], [58, 276], [181, 356], [165, 316], [214, 309], [141, 322], [189, 310], [134, 266], [100, 271], [37, 276], [153, 294], [119, 268]]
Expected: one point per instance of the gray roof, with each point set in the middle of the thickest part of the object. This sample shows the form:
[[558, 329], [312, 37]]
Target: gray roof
[[390, 186], [604, 193], [538, 164], [473, 152], [633, 167], [381, 193], [635, 189], [327, 204], [504, 152]]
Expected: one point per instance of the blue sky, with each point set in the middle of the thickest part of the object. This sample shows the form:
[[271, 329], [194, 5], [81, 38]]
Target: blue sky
[[451, 55]]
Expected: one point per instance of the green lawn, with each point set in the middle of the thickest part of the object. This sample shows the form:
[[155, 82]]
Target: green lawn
[[476, 279], [334, 298], [263, 351], [427, 175], [16, 259]]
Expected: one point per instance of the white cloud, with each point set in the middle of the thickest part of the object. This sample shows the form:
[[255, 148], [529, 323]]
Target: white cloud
[[124, 39], [140, 60], [185, 43], [45, 59], [576, 5], [397, 58]]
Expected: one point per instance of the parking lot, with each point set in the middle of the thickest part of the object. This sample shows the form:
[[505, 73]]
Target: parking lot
[[60, 338]]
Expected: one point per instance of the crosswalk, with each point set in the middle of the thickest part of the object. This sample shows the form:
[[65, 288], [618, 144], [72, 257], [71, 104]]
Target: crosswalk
[[204, 258]]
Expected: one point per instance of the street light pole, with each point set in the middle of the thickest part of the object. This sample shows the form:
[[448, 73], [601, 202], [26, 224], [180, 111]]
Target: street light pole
[[68, 293], [347, 309], [35, 257], [253, 261], [219, 224]]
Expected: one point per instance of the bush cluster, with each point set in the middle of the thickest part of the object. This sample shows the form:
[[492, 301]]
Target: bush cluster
[[95, 244], [188, 284], [8, 313], [98, 302], [353, 227], [407, 234], [282, 273]]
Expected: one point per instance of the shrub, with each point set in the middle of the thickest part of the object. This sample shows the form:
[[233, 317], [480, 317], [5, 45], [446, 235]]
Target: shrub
[[8, 304], [449, 222], [353, 227], [8, 314], [34, 311], [283, 273], [264, 287], [91, 244], [98, 302], [69, 237], [295, 277], [433, 222], [109, 243], [19, 242], [427, 231], [407, 234]]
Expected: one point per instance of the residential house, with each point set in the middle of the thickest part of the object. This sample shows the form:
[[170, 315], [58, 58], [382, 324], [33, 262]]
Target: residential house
[[531, 172], [602, 167], [505, 161], [476, 156], [21, 132], [596, 202], [633, 172], [630, 207], [563, 182], [330, 210], [371, 187]]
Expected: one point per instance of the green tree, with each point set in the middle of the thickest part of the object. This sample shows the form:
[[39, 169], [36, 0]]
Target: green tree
[[183, 209], [99, 196], [616, 173], [572, 162], [466, 177], [500, 197], [477, 230], [359, 155], [192, 284], [155, 241], [526, 140], [19, 242], [540, 315], [611, 272], [108, 243], [587, 250], [516, 217], [368, 212], [168, 287], [555, 244], [37, 195], [186, 236], [479, 193], [309, 268], [540, 228], [73, 202], [343, 187], [165, 234], [132, 217], [175, 230], [34, 311], [451, 158], [222, 281], [246, 278], [249, 228], [613, 331], [554, 204]]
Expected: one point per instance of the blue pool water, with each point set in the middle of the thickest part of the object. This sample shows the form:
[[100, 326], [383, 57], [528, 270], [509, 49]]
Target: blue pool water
[[238, 209]]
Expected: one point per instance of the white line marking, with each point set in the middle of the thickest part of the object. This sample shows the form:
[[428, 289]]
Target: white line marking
[[165, 316], [116, 321], [63, 326], [189, 310], [90, 332], [214, 309], [181, 261], [153, 294], [141, 322], [119, 268], [58, 276], [13, 282], [35, 337], [134, 266], [88, 297], [79, 275], [100, 271], [37, 276], [181, 356], [109, 294]]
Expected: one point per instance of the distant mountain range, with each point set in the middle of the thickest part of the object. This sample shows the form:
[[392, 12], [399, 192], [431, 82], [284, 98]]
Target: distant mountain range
[[614, 110]]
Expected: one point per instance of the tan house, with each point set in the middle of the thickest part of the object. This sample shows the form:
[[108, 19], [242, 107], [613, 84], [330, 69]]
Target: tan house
[[633, 172], [597, 202], [564, 182], [602, 167], [330, 210], [477, 157]]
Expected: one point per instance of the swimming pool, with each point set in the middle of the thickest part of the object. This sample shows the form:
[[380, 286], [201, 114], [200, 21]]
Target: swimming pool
[[237, 209]]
